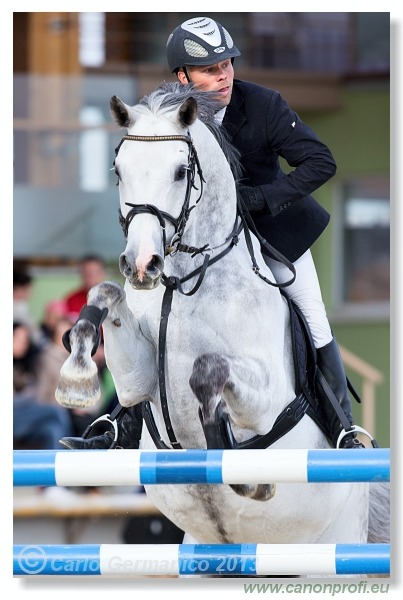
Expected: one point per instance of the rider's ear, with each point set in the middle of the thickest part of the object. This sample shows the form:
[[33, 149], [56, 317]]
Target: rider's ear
[[182, 77], [187, 112]]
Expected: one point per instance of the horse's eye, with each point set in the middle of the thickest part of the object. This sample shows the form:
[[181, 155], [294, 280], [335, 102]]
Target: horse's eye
[[117, 175], [180, 173]]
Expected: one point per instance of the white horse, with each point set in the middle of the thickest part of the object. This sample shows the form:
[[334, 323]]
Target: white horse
[[222, 345]]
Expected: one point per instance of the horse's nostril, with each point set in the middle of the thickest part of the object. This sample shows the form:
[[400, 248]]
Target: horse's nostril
[[153, 263], [156, 264], [124, 266]]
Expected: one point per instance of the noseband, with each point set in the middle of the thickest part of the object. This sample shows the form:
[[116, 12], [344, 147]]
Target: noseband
[[179, 223]]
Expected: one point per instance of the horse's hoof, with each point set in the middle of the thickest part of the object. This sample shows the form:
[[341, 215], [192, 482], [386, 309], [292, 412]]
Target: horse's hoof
[[265, 492], [78, 385], [81, 394], [261, 492]]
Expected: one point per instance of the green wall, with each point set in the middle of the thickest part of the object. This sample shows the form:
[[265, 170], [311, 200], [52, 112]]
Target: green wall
[[370, 341], [49, 287], [358, 134]]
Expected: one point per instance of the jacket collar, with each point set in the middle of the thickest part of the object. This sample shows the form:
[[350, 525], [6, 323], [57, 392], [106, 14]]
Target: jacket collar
[[235, 114]]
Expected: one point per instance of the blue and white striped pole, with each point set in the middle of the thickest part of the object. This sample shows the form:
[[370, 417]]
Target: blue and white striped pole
[[143, 467], [201, 559]]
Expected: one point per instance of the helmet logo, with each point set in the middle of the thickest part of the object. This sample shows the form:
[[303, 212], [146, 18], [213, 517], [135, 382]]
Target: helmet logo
[[205, 29], [219, 50]]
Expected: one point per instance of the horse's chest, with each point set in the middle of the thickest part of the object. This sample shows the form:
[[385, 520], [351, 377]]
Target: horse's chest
[[189, 323], [215, 514]]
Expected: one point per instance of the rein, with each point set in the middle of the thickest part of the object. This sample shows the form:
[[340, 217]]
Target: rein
[[297, 408], [172, 284]]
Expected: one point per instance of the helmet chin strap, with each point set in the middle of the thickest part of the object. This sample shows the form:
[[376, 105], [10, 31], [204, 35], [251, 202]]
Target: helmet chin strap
[[187, 74]]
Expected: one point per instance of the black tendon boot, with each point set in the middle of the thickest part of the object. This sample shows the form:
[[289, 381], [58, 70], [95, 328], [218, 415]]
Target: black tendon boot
[[125, 431], [332, 378]]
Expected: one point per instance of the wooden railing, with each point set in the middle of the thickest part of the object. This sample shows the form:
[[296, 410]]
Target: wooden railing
[[371, 377]]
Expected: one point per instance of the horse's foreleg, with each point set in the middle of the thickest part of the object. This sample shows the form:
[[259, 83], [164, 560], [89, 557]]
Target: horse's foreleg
[[78, 385], [129, 356], [210, 378], [246, 387]]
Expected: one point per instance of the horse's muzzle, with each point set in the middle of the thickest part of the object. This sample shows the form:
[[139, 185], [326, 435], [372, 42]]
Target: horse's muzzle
[[142, 277]]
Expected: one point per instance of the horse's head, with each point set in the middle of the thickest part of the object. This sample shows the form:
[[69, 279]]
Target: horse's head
[[161, 179], [156, 166]]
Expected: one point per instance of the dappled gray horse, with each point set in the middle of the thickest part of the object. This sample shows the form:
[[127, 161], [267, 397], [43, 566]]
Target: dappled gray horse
[[210, 350]]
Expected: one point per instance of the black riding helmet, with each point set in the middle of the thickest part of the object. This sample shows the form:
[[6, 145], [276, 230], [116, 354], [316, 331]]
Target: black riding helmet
[[199, 41]]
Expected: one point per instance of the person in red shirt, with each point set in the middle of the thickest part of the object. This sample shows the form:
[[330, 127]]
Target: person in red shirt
[[92, 272]]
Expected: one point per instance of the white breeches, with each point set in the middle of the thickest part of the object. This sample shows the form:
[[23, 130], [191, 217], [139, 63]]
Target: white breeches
[[305, 292]]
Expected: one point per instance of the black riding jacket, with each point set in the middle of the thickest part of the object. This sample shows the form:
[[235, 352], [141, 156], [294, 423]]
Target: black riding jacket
[[262, 127]]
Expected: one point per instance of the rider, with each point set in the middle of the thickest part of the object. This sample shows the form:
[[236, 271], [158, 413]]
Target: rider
[[263, 127]]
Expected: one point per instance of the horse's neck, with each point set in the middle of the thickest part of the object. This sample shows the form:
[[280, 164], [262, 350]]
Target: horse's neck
[[213, 217]]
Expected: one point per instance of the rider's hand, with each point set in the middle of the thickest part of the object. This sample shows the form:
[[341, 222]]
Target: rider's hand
[[252, 198]]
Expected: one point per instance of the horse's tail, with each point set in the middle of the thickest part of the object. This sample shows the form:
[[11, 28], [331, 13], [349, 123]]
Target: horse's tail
[[379, 513]]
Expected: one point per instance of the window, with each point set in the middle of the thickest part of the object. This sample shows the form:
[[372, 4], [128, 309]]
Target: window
[[92, 39], [366, 241], [333, 42]]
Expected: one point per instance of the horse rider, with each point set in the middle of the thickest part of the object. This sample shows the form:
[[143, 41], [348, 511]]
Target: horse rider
[[262, 127]]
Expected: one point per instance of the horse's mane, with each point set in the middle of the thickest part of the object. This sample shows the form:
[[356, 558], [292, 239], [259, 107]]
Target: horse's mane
[[169, 96]]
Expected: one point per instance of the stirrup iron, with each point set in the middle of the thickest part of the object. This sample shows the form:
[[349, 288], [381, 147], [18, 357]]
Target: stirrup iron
[[106, 417], [356, 429]]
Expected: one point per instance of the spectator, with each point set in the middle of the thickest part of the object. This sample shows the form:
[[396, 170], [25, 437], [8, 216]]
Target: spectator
[[22, 290], [92, 272], [34, 424], [53, 312]]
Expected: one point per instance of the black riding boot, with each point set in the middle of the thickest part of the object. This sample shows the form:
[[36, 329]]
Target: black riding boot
[[330, 365], [129, 424]]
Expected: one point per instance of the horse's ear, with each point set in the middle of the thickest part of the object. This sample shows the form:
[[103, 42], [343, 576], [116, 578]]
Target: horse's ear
[[120, 112], [188, 112]]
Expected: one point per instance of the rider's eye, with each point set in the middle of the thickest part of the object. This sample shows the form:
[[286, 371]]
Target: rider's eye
[[180, 173]]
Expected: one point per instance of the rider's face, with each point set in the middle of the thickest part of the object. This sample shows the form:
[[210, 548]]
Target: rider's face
[[212, 78]]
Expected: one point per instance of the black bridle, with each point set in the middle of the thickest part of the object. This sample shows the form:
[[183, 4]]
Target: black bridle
[[179, 223]]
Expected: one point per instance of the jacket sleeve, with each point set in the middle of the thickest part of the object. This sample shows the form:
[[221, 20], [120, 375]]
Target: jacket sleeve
[[294, 141]]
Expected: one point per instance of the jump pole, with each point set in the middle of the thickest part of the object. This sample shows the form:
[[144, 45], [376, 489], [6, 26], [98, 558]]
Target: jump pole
[[143, 467], [133, 560]]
